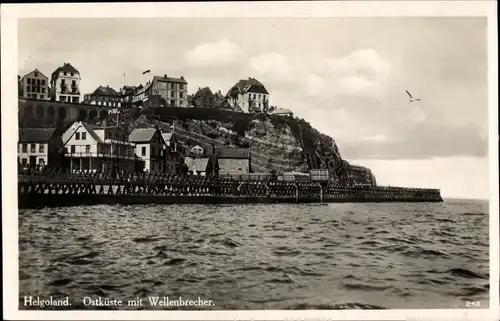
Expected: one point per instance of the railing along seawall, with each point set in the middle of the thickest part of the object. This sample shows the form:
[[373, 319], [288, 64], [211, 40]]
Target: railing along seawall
[[61, 186]]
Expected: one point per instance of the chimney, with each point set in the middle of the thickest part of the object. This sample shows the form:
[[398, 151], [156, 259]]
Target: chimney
[[249, 78], [165, 75], [182, 77]]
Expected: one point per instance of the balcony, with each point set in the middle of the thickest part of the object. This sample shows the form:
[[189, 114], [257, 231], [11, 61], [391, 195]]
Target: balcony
[[97, 155]]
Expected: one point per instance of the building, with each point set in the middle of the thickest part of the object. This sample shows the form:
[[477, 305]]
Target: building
[[172, 90], [104, 96], [99, 148], [173, 154], [34, 85], [127, 94], [204, 98], [282, 112], [250, 95], [233, 161], [202, 166], [149, 147], [39, 146], [65, 83], [197, 150]]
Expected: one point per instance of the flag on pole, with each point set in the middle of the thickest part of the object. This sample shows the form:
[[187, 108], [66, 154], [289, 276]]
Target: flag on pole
[[145, 72]]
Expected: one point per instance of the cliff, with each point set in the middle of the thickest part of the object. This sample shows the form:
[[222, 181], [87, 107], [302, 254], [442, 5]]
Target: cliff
[[277, 143]]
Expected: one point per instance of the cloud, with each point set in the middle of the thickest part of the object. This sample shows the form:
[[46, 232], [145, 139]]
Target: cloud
[[220, 53], [274, 65]]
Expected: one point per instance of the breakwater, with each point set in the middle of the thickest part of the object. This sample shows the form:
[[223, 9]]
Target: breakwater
[[57, 187]]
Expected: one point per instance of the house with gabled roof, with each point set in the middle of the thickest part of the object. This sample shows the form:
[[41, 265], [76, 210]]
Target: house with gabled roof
[[204, 98], [65, 84], [149, 146], [250, 95], [104, 96], [89, 147], [39, 146], [233, 161], [202, 166]]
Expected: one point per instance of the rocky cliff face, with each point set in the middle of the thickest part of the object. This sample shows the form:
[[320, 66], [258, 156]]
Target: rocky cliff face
[[277, 143]]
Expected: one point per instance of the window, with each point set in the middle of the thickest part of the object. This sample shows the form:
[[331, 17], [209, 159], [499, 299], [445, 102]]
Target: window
[[144, 151], [41, 161], [72, 149], [36, 74], [72, 74], [24, 161], [29, 81], [38, 82], [33, 148], [43, 82], [87, 149], [84, 136], [65, 73], [25, 148], [172, 94], [181, 95], [62, 98], [41, 148], [77, 136], [181, 86], [172, 103]]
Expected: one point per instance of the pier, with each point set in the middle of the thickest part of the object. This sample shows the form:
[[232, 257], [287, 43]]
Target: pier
[[60, 187]]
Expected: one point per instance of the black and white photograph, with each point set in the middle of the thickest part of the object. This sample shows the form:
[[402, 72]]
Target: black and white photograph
[[267, 160]]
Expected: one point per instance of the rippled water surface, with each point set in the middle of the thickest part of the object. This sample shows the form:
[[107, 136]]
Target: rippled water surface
[[393, 255]]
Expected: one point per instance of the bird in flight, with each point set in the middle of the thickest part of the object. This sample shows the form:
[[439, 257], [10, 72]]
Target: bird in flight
[[411, 97]]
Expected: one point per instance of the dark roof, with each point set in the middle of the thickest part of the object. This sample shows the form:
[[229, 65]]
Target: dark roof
[[65, 68], [170, 79], [35, 135], [190, 98], [203, 91], [251, 85], [142, 135], [105, 91], [235, 153]]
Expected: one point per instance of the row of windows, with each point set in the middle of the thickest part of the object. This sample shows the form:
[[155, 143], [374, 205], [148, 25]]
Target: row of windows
[[36, 89], [24, 161], [153, 150], [38, 82], [41, 148], [257, 96], [83, 136], [69, 99], [71, 73]]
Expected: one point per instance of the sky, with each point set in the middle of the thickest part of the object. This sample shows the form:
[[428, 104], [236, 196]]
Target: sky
[[346, 76]]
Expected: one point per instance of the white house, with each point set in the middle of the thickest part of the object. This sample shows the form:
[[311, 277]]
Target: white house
[[249, 95], [65, 83], [149, 147], [34, 85], [39, 146], [99, 148]]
